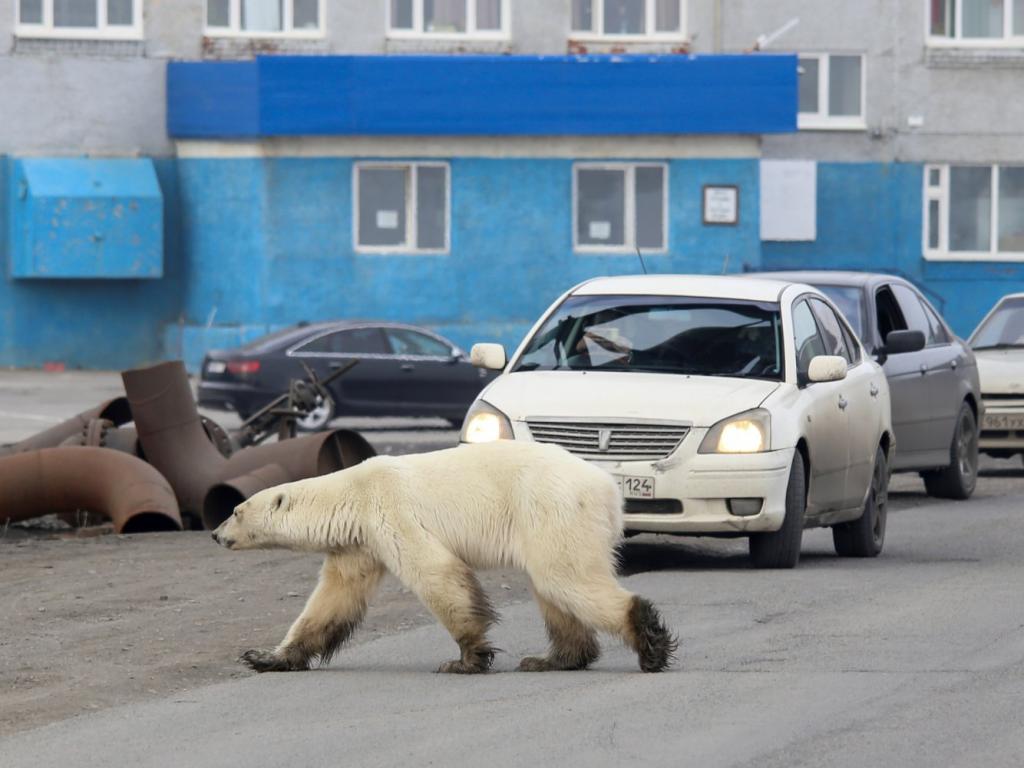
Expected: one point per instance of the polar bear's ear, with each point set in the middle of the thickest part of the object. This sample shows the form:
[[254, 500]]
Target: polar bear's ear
[[278, 502]]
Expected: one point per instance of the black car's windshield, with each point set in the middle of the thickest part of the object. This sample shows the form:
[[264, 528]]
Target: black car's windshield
[[1003, 328], [659, 334], [848, 299]]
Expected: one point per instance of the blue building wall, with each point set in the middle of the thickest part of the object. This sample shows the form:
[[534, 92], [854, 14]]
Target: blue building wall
[[870, 219], [90, 323], [269, 242]]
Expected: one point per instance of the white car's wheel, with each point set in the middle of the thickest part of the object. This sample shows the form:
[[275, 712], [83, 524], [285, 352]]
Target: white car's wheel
[[865, 536], [781, 548]]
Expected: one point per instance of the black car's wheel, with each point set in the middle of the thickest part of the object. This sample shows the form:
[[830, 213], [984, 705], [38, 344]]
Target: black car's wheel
[[318, 419], [865, 536], [957, 481], [781, 548]]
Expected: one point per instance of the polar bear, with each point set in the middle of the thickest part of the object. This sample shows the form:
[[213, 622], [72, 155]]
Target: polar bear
[[430, 519]]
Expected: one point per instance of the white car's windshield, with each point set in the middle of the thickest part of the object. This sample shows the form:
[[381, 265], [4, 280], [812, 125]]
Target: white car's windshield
[[659, 334], [1003, 328]]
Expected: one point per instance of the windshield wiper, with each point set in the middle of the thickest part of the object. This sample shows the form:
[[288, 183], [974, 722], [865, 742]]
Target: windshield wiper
[[1000, 346]]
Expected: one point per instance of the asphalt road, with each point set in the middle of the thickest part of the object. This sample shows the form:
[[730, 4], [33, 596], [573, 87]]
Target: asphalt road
[[913, 659]]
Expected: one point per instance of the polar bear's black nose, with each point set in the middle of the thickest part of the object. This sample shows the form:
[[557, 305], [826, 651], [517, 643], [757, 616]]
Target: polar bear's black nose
[[214, 537]]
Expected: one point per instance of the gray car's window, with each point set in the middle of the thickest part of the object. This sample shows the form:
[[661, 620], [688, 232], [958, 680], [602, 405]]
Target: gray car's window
[[848, 299], [406, 342], [913, 312], [831, 330], [937, 333], [807, 342]]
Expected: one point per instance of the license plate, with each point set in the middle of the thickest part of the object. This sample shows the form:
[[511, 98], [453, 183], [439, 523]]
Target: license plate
[[1003, 421], [216, 366], [636, 487]]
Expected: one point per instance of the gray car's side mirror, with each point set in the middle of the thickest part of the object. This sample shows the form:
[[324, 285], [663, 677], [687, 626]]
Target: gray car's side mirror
[[902, 342], [489, 356]]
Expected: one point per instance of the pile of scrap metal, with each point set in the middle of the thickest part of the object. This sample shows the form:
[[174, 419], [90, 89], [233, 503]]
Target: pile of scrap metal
[[150, 462]]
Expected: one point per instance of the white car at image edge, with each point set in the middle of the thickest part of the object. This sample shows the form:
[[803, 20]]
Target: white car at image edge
[[724, 406]]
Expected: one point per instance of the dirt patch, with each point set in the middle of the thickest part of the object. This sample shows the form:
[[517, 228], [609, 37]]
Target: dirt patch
[[88, 623]]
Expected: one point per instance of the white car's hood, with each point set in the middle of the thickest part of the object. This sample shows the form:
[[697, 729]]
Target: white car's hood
[[701, 400], [1001, 370]]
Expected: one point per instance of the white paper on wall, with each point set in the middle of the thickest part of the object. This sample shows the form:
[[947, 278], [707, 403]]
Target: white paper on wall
[[789, 200], [387, 219], [600, 230]]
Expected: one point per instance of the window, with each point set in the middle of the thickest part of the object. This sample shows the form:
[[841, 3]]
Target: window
[[831, 330], [976, 22], [401, 207], [409, 343], [807, 342], [974, 212], [356, 341], [620, 207], [96, 19], [831, 89], [919, 317], [849, 301], [888, 314], [448, 18], [298, 18], [630, 19]]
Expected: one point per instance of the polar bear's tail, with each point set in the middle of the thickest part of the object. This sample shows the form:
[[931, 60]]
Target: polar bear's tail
[[655, 645]]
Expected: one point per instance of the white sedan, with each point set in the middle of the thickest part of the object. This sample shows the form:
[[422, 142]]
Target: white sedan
[[998, 344], [723, 405]]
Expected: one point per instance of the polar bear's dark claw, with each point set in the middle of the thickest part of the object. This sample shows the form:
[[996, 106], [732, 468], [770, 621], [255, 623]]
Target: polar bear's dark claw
[[267, 661]]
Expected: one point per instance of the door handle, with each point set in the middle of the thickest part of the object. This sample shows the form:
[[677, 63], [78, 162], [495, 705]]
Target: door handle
[[335, 366], [953, 365], [874, 389], [924, 369], [843, 402], [408, 367]]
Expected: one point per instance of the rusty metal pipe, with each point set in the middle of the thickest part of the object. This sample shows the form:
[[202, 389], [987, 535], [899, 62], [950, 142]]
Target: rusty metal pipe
[[65, 480], [174, 441], [115, 411]]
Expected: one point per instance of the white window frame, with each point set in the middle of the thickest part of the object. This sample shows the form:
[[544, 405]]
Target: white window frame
[[597, 33], [822, 120], [1008, 40], [629, 223], [941, 193], [102, 30], [411, 209], [472, 33], [234, 28]]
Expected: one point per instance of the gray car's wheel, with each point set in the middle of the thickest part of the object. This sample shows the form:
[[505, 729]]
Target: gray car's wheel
[[957, 481], [319, 417], [865, 536], [781, 548]]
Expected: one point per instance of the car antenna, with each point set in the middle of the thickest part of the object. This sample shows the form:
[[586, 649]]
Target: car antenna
[[640, 256]]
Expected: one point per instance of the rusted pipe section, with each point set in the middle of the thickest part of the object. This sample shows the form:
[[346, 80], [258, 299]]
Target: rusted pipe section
[[174, 441], [263, 466], [115, 411], [70, 479]]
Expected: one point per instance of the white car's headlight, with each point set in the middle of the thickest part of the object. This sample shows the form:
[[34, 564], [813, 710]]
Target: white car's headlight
[[747, 432], [485, 424]]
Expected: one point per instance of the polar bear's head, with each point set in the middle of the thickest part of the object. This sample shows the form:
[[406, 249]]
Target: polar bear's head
[[261, 522]]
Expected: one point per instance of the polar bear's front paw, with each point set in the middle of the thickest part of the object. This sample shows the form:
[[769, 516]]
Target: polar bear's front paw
[[536, 664], [268, 661], [460, 667]]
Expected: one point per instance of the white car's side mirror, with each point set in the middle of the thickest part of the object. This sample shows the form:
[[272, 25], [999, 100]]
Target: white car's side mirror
[[826, 368], [489, 356]]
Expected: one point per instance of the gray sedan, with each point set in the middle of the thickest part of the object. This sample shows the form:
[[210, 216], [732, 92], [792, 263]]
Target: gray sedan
[[933, 376]]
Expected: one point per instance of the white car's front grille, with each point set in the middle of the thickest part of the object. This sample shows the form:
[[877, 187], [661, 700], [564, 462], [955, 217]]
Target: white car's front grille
[[609, 441]]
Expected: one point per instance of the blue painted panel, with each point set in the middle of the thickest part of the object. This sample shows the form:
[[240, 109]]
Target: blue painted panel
[[84, 218], [484, 95], [212, 99], [870, 219]]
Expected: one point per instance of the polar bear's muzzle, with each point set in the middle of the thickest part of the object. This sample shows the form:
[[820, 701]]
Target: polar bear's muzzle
[[219, 536]]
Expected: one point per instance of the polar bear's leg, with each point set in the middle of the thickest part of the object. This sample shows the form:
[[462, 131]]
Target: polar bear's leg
[[336, 607], [573, 644], [450, 589], [599, 602]]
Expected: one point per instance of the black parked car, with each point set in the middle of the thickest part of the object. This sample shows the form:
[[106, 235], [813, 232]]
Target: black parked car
[[403, 370], [933, 382]]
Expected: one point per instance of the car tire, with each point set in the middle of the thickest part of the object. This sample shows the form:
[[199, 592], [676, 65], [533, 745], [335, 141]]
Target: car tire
[[781, 548], [865, 536], [958, 480], [319, 418]]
